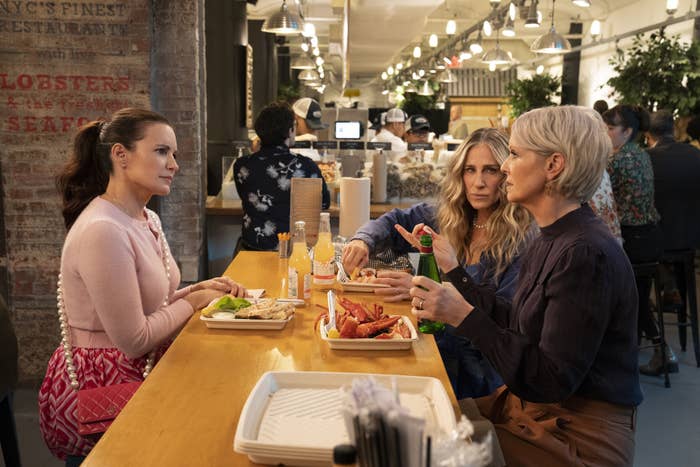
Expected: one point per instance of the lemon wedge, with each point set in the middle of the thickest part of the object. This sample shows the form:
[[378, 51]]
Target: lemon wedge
[[333, 334]]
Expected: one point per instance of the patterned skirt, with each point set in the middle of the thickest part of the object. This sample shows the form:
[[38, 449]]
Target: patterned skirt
[[58, 400]]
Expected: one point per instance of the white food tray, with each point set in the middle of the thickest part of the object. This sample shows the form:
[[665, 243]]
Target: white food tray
[[295, 418], [220, 321], [371, 344]]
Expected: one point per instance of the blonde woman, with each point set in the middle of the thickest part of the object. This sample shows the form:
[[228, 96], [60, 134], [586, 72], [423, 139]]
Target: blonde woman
[[485, 230], [566, 346]]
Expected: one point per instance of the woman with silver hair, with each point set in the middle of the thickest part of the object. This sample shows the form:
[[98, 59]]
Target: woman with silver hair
[[566, 346]]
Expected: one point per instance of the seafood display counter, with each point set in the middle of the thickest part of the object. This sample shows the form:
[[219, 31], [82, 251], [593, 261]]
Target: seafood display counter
[[187, 411]]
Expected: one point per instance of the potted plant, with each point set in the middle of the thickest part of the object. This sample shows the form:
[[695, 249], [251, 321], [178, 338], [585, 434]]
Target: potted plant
[[658, 72], [531, 93]]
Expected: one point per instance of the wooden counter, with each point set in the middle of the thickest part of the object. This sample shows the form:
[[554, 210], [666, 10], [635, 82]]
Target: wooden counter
[[186, 412], [219, 207]]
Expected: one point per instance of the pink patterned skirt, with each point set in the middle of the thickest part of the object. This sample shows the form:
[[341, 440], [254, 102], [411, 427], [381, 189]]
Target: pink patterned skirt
[[58, 400]]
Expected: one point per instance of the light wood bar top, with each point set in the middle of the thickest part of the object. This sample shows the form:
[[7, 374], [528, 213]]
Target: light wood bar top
[[187, 410], [226, 207]]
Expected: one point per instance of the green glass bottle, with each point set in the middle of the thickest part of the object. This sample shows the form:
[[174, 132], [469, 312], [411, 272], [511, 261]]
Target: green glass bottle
[[427, 266]]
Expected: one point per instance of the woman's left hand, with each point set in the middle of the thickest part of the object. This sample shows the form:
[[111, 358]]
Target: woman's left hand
[[399, 283], [438, 302], [223, 283]]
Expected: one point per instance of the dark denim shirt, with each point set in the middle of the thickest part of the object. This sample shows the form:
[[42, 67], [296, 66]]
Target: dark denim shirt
[[264, 180], [470, 373]]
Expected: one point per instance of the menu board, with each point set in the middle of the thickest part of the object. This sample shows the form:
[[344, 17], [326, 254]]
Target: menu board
[[418, 146], [379, 145], [352, 145]]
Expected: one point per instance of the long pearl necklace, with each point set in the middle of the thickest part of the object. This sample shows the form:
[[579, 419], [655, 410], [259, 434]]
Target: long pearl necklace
[[63, 320]]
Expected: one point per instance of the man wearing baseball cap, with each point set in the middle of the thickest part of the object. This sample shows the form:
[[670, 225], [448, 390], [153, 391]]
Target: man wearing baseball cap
[[393, 131], [417, 129], [307, 114]]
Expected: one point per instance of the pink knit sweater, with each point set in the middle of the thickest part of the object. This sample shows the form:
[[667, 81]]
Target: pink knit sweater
[[114, 283]]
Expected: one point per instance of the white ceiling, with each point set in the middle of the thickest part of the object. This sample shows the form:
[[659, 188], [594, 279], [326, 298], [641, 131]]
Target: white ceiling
[[383, 32]]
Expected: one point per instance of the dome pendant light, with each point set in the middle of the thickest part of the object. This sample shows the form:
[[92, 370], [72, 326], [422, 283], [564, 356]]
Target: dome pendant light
[[425, 89], [551, 42], [283, 22], [582, 3], [496, 56]]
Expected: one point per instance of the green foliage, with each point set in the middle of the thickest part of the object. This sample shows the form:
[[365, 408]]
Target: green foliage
[[288, 92], [531, 93], [416, 104], [658, 73]]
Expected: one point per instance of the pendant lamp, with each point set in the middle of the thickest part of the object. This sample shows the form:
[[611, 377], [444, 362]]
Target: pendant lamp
[[283, 22], [551, 42], [426, 89]]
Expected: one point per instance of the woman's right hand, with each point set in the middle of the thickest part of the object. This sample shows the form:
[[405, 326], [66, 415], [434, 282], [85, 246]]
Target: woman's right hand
[[355, 255], [444, 253], [201, 298]]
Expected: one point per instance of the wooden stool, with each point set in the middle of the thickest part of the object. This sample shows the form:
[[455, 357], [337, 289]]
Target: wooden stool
[[684, 260], [651, 271]]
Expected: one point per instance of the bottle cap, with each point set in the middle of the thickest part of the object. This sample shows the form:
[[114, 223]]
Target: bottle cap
[[299, 224], [344, 454]]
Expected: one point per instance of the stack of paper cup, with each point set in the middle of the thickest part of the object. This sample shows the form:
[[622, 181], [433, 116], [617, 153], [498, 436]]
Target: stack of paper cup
[[354, 204]]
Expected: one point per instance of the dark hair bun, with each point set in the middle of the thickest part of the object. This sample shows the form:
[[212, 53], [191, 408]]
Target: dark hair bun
[[643, 117]]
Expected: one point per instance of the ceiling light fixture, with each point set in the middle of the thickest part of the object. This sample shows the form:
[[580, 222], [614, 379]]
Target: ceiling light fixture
[[492, 66], [540, 69], [671, 6], [532, 20], [551, 42], [451, 27], [497, 56], [595, 29], [487, 28], [426, 89], [283, 22], [302, 63], [309, 30], [399, 66], [512, 11], [433, 40], [308, 75], [384, 76], [582, 3], [509, 28], [475, 47], [410, 87], [494, 3], [446, 76], [319, 61], [390, 70], [416, 52]]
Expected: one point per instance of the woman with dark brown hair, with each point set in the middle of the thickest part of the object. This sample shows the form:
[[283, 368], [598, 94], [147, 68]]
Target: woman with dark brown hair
[[117, 290]]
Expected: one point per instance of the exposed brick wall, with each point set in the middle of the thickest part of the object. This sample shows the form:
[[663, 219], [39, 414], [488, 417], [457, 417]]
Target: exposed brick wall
[[63, 64]]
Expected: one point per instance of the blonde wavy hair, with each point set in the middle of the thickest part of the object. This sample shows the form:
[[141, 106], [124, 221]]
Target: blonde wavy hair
[[507, 227]]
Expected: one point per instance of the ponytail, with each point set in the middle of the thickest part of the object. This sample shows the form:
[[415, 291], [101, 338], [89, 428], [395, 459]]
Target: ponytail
[[86, 173], [628, 116]]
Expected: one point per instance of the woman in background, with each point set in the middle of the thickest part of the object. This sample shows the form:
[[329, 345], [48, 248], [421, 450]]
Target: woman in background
[[632, 177], [118, 281]]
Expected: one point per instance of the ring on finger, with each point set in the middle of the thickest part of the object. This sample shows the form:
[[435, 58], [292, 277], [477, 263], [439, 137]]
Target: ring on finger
[[420, 304]]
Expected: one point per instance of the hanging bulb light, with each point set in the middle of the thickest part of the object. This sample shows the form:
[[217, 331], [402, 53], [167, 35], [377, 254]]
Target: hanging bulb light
[[416, 52], [426, 89], [494, 3], [551, 42], [309, 30], [476, 47], [464, 55], [671, 6], [410, 87], [433, 40], [492, 66], [316, 52], [314, 41], [582, 3], [305, 46], [595, 29], [399, 66], [283, 22], [532, 20], [390, 70], [421, 72], [319, 61], [384, 76], [512, 11], [540, 69], [509, 28], [487, 28], [451, 27]]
